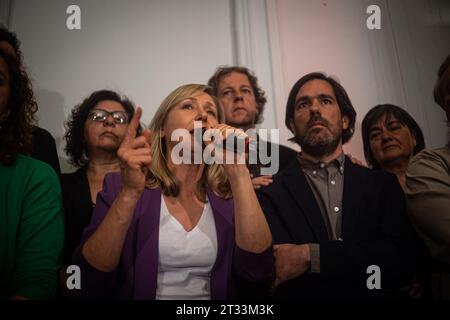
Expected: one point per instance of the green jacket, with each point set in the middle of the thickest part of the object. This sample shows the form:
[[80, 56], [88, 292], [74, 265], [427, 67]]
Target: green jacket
[[31, 229]]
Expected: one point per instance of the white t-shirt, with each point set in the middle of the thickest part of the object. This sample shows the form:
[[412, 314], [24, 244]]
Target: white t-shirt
[[185, 258]]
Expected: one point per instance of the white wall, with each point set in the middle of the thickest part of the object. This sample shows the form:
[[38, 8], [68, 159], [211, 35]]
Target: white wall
[[397, 64], [422, 32], [4, 12], [146, 48], [141, 48]]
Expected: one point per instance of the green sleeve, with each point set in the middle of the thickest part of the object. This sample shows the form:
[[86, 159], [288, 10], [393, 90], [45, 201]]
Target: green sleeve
[[40, 237]]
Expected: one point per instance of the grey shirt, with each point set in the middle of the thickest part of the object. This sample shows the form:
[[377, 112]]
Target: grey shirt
[[327, 184], [428, 199]]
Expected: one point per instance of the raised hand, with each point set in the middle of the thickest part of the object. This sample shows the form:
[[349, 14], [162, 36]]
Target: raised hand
[[233, 161], [135, 156]]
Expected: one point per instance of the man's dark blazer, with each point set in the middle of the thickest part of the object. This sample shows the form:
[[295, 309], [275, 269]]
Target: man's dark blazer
[[375, 229]]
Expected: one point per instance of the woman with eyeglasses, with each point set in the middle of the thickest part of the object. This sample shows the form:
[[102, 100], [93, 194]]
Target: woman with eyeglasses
[[94, 133]]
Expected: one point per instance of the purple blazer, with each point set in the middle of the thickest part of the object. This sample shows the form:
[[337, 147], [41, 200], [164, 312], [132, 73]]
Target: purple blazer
[[136, 275]]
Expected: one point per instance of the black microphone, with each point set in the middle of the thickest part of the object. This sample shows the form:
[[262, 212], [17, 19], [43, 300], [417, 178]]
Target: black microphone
[[233, 143]]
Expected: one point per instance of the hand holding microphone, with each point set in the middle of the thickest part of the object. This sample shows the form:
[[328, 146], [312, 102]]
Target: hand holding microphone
[[233, 139]]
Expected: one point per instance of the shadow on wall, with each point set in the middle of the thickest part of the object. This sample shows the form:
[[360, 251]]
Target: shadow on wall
[[51, 116]]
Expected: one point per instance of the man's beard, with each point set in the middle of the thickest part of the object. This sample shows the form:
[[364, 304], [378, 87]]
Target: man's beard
[[318, 142]]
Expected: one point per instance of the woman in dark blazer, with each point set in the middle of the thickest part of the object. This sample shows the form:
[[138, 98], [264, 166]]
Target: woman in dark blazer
[[94, 132]]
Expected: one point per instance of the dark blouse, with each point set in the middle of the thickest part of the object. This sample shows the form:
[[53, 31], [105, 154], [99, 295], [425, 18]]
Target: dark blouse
[[44, 148], [78, 209]]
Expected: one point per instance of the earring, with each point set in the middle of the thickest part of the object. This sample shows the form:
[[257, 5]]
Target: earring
[[84, 157]]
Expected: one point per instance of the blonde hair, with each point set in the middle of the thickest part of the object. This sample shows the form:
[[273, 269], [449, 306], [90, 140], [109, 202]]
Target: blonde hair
[[159, 175]]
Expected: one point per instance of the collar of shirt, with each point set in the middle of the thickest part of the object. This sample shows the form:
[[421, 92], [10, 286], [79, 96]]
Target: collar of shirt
[[307, 164]]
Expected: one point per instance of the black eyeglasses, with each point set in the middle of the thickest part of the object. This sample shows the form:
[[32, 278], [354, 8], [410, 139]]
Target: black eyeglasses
[[101, 115]]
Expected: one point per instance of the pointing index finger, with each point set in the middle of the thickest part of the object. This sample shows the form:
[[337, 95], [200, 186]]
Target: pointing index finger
[[148, 136], [132, 126]]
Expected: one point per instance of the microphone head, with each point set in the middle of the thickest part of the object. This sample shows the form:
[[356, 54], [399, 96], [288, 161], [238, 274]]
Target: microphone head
[[236, 143]]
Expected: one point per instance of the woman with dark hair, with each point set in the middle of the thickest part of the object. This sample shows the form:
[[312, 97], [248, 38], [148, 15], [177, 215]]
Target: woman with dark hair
[[43, 146], [10, 44], [31, 216], [95, 131], [428, 195], [391, 137]]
